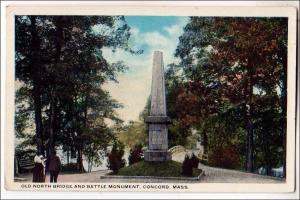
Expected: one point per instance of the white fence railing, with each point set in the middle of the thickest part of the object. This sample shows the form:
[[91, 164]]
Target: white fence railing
[[176, 149]]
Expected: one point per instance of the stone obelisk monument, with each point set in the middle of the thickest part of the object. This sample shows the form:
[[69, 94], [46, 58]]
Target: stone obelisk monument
[[158, 119]]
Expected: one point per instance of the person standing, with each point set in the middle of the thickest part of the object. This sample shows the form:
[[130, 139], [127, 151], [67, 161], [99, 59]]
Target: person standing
[[39, 169], [54, 167]]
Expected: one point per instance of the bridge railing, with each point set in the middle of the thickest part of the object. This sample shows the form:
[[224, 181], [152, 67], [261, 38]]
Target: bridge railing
[[176, 149]]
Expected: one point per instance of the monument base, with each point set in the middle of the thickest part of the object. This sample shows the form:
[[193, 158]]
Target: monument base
[[157, 155]]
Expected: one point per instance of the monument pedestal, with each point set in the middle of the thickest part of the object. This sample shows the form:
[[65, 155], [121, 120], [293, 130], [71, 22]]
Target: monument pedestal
[[157, 155], [158, 139]]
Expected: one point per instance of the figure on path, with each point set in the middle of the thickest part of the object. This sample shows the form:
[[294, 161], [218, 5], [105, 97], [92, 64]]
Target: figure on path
[[54, 167], [39, 168]]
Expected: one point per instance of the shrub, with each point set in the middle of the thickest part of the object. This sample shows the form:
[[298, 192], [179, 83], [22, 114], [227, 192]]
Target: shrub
[[187, 167], [114, 160], [225, 157], [195, 161], [135, 154], [71, 167], [203, 161]]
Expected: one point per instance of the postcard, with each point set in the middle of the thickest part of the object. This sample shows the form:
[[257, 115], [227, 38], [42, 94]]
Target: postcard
[[150, 98]]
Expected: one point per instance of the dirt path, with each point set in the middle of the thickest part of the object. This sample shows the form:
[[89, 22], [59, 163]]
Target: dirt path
[[92, 177], [219, 175]]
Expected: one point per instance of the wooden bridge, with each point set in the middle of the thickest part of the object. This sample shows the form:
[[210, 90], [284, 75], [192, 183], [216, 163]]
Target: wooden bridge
[[178, 153], [176, 149]]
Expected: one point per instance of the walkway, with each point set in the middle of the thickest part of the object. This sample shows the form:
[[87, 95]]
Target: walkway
[[92, 177], [212, 175], [219, 175]]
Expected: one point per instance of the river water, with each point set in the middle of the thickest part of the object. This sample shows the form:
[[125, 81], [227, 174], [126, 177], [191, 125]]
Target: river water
[[103, 166]]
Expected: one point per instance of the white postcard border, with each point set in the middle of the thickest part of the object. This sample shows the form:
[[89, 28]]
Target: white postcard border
[[290, 12]]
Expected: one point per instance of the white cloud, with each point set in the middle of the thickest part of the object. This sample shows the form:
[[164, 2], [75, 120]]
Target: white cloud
[[176, 29], [134, 85], [173, 30], [134, 30], [132, 93], [155, 40]]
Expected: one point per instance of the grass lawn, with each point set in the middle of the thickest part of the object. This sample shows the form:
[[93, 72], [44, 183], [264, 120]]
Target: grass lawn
[[163, 169]]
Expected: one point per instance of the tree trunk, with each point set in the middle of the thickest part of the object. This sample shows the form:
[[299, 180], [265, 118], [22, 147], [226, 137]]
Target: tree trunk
[[249, 126], [79, 160], [16, 166], [284, 147], [53, 101], [283, 108], [38, 118], [47, 155], [267, 154], [92, 163], [250, 150], [51, 127], [205, 143], [68, 156], [59, 38], [36, 91]]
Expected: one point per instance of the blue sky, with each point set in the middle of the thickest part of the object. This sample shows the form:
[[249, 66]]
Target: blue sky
[[149, 33], [150, 23]]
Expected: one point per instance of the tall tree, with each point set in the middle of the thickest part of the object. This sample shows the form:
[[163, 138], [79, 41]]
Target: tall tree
[[60, 59], [232, 59], [249, 46], [29, 52]]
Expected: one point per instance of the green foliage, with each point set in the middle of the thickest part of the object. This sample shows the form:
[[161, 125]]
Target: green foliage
[[70, 167], [133, 134], [146, 112], [226, 87], [60, 65], [160, 169], [225, 157], [178, 133], [204, 161], [115, 159], [21, 153], [97, 137], [220, 132], [24, 121], [135, 154], [191, 141], [23, 113]]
